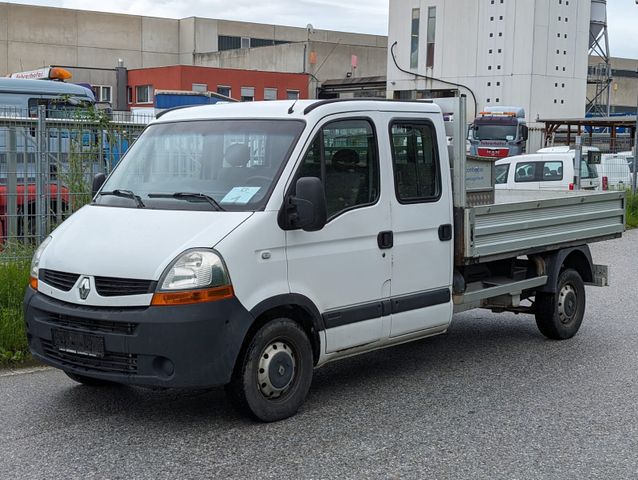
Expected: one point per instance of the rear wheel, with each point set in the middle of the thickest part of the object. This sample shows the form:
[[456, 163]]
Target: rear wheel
[[559, 315], [92, 382], [273, 377]]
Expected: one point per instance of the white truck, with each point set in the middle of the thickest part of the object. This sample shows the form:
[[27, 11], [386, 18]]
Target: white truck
[[248, 244]]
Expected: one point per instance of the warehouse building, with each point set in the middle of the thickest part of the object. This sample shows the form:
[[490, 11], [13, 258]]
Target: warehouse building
[[90, 44]]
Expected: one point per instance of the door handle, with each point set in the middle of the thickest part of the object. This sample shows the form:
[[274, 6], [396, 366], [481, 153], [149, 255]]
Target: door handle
[[385, 239], [445, 232]]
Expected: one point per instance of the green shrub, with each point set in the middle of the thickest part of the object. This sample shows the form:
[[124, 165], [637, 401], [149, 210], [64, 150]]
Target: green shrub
[[14, 277], [632, 210]]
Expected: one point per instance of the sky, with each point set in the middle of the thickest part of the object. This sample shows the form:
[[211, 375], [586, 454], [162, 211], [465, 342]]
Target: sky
[[364, 16]]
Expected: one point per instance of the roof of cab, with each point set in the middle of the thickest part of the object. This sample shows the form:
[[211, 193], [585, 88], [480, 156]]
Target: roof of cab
[[43, 87], [289, 109]]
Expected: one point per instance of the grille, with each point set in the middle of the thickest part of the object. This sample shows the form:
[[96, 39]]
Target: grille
[[102, 326], [60, 280], [110, 363], [117, 287]]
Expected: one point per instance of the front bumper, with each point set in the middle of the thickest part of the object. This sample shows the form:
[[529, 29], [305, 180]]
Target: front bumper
[[181, 346]]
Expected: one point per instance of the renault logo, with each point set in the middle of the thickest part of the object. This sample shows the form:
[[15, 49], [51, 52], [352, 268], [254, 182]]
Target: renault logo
[[85, 288]]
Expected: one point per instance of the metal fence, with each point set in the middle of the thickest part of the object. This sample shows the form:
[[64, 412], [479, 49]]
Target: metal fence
[[616, 166], [46, 168]]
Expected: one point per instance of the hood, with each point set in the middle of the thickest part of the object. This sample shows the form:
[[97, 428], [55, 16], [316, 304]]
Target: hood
[[131, 242]]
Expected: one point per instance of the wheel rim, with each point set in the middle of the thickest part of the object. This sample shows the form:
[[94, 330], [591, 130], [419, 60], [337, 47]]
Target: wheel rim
[[277, 369], [567, 304]]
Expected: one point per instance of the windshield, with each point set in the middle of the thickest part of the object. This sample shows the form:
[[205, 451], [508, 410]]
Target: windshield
[[587, 171], [494, 132], [203, 165]]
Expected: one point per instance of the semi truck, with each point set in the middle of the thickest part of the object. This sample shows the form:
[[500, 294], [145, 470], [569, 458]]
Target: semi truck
[[251, 243], [498, 132]]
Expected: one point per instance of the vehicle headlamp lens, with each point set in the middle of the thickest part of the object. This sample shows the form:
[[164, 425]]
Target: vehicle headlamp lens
[[35, 262], [194, 270]]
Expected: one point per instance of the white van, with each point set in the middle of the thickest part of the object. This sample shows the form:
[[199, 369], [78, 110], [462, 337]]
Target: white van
[[246, 244], [544, 171], [614, 172]]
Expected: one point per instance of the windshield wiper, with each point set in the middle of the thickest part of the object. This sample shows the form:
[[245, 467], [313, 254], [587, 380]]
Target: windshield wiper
[[126, 194], [188, 196]]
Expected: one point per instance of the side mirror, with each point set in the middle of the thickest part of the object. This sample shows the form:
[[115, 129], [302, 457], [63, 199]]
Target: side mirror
[[98, 181], [306, 209], [525, 132]]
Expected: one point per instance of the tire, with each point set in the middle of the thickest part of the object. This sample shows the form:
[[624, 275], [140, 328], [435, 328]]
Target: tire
[[273, 375], [559, 315], [91, 382]]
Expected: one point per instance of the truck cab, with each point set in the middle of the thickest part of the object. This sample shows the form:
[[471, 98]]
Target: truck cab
[[498, 132]]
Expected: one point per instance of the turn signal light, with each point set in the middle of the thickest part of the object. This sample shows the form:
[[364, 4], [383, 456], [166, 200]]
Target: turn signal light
[[192, 296], [33, 282]]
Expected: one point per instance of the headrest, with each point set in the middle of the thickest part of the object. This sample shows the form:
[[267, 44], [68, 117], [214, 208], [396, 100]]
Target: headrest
[[237, 155], [344, 159]]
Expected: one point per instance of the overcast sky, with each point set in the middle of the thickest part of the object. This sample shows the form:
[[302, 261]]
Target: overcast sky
[[366, 16]]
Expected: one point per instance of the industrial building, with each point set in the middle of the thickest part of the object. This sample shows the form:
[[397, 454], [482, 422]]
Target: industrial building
[[532, 54], [90, 44], [245, 86]]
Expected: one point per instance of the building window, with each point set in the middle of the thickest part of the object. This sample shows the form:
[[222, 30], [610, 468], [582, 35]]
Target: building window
[[144, 94], [224, 90], [270, 94], [414, 38], [247, 94], [129, 95], [199, 87], [102, 93], [429, 62], [245, 42], [292, 94]]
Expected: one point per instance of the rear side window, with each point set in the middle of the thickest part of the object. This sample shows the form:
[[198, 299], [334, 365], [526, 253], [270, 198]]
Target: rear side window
[[501, 173], [415, 162], [344, 156], [525, 172], [552, 171]]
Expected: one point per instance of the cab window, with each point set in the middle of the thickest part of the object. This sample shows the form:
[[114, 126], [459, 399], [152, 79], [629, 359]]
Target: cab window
[[344, 156], [414, 162]]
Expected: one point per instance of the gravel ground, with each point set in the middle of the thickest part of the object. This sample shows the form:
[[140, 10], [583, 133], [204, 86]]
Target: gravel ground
[[491, 399]]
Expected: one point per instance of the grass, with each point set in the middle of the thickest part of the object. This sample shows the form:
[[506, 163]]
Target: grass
[[632, 210], [14, 275]]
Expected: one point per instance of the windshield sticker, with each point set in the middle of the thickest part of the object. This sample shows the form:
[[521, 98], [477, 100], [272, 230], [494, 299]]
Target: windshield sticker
[[240, 195]]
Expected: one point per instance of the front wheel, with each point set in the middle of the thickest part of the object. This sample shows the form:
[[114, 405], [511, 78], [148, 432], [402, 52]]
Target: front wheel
[[273, 377], [559, 315]]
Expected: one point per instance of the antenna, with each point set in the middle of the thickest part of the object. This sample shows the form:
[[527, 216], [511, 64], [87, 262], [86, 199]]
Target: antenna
[[291, 110]]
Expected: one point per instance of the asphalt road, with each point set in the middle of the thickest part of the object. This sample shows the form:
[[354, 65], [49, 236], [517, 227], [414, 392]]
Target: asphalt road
[[492, 399]]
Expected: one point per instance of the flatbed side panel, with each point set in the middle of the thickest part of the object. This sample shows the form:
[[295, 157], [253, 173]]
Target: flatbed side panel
[[498, 229]]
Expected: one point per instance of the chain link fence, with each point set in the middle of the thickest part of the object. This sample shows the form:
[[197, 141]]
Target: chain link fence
[[617, 167], [47, 163]]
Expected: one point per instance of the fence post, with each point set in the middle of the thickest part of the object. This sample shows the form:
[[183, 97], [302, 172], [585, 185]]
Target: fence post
[[635, 174], [12, 184], [41, 176]]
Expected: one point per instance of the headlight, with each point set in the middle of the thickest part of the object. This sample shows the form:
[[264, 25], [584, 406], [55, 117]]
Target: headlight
[[35, 262], [193, 277]]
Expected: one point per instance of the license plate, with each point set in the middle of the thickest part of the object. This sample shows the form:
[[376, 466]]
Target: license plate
[[78, 343]]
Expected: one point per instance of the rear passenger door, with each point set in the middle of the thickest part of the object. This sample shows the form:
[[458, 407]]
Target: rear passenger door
[[422, 254], [343, 268]]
